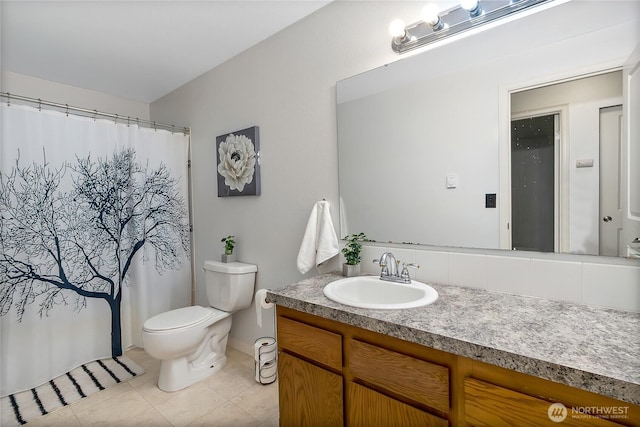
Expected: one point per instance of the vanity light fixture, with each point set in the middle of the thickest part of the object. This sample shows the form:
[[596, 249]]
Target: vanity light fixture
[[437, 25]]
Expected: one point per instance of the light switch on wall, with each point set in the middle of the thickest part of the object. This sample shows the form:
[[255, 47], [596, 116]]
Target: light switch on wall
[[490, 200], [452, 181], [584, 163]]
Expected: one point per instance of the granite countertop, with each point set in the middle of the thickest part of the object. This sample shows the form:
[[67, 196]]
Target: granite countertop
[[591, 348]]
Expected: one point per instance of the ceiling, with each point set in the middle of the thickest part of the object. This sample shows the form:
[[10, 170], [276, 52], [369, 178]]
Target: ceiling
[[139, 50]]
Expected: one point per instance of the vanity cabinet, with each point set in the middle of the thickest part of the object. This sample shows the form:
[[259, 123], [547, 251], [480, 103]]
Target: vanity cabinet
[[335, 374], [379, 381]]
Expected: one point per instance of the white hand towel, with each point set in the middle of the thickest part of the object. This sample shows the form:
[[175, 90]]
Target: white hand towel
[[320, 242]]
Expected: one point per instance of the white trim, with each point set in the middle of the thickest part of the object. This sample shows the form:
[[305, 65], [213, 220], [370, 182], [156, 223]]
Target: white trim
[[552, 79], [241, 346], [504, 163], [634, 72]]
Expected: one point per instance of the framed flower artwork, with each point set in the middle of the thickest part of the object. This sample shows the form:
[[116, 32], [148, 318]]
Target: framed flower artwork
[[238, 163]]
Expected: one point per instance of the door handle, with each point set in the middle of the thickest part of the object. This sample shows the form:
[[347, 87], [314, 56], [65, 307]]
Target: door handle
[[607, 219]]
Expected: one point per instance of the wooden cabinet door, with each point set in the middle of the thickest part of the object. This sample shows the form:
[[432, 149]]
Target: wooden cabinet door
[[368, 408], [491, 405], [309, 395], [423, 382]]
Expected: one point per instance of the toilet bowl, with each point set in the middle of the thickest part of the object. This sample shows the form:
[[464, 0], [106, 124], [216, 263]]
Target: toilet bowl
[[191, 341]]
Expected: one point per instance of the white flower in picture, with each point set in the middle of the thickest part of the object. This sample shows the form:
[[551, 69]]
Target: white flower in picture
[[237, 161]]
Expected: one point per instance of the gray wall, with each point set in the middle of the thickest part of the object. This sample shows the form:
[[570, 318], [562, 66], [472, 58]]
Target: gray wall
[[286, 86], [32, 87]]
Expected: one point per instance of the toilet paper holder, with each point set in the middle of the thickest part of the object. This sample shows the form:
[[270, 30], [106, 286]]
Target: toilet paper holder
[[266, 360]]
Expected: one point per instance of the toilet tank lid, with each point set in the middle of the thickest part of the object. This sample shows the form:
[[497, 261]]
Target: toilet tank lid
[[230, 267]]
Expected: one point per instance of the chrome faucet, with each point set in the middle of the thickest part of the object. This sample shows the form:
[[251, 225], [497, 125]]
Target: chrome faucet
[[389, 265], [389, 270]]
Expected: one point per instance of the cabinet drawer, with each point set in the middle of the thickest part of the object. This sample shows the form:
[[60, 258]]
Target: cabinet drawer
[[310, 342], [487, 404], [368, 408], [415, 379]]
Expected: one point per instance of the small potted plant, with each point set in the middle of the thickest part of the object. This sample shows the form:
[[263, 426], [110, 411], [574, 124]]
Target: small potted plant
[[229, 243], [351, 252]]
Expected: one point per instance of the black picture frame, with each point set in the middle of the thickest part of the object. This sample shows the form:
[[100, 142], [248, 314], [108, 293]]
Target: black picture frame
[[238, 163]]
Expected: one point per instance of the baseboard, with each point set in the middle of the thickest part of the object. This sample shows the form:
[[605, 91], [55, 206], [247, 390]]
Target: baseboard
[[241, 346]]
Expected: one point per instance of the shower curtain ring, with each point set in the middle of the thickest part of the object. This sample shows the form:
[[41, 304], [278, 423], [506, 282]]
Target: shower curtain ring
[[66, 109], [95, 115], [39, 104], [8, 99], [115, 121]]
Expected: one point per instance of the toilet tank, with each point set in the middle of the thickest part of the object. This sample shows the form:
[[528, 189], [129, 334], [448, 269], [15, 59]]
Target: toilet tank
[[229, 286]]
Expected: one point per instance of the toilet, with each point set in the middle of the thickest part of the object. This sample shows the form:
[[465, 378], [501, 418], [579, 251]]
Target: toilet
[[191, 341]]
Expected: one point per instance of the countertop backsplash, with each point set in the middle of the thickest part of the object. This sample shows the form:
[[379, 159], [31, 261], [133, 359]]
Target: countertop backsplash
[[579, 279]]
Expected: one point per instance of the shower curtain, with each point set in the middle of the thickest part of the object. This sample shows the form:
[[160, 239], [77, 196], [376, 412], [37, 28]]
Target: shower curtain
[[94, 232]]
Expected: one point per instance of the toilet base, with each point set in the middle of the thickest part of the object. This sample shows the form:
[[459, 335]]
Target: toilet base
[[209, 358], [177, 374]]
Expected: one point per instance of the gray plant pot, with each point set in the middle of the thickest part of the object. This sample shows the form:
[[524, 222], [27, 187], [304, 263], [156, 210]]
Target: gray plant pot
[[350, 270], [228, 258]]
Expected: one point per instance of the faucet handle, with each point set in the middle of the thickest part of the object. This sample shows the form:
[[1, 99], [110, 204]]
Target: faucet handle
[[382, 263], [405, 271]]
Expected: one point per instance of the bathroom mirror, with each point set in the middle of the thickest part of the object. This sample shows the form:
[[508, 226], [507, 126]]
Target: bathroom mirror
[[424, 144]]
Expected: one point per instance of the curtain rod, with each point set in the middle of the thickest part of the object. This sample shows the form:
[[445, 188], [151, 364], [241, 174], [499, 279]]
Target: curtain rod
[[84, 112]]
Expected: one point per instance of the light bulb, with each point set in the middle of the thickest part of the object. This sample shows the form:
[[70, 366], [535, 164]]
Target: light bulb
[[468, 4], [472, 6], [430, 14], [396, 28]]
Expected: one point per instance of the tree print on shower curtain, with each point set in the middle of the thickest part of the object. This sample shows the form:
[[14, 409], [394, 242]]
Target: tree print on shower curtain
[[61, 247]]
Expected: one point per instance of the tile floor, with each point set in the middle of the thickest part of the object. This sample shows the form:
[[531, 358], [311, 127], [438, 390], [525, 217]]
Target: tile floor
[[230, 397]]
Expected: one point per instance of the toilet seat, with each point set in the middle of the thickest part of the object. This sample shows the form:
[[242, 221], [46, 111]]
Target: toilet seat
[[183, 318]]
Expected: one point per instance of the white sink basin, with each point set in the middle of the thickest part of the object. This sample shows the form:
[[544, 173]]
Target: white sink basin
[[371, 292]]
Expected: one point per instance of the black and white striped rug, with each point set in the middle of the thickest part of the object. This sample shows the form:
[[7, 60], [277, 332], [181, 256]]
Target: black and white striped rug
[[20, 408]]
